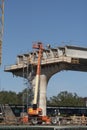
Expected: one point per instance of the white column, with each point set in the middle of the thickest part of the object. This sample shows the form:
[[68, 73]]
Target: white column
[[42, 93]]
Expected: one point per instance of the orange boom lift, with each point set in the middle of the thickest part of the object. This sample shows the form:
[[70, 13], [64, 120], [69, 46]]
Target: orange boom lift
[[35, 113]]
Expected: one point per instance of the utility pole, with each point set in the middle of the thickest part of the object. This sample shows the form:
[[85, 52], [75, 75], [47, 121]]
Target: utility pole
[[1, 27]]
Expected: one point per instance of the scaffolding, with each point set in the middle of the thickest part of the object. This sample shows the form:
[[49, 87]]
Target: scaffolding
[[27, 95]]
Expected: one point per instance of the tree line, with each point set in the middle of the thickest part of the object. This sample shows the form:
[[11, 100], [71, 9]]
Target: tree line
[[10, 97], [64, 98]]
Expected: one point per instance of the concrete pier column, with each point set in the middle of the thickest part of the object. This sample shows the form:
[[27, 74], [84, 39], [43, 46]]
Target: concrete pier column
[[42, 92]]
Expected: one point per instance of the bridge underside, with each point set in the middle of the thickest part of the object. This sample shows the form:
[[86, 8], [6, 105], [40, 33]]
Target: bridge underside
[[81, 66]]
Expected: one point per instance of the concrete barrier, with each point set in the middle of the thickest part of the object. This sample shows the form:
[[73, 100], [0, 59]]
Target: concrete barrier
[[43, 127]]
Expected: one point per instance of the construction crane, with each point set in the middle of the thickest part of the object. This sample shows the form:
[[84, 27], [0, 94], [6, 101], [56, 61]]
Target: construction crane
[[1, 26]]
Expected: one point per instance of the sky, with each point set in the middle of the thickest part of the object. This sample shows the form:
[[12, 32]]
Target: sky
[[57, 22]]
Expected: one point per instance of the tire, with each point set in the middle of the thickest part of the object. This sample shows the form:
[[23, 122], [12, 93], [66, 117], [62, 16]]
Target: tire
[[34, 121], [54, 120]]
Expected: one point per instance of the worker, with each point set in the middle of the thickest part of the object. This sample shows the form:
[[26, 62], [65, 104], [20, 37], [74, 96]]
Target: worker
[[83, 119]]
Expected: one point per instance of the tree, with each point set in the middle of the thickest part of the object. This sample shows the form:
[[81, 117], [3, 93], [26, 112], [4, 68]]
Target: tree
[[25, 97], [65, 98], [8, 97]]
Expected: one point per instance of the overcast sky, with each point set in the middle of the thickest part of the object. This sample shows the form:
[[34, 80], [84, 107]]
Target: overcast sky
[[57, 22]]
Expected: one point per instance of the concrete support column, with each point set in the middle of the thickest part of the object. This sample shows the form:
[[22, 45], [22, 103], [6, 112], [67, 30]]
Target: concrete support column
[[42, 92]]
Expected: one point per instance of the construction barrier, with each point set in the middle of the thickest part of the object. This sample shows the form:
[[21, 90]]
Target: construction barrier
[[43, 127]]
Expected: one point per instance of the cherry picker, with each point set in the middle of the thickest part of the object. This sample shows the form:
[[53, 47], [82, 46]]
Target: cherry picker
[[35, 113]]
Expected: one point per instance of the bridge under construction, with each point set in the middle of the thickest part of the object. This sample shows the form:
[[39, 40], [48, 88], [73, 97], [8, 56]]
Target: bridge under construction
[[53, 61]]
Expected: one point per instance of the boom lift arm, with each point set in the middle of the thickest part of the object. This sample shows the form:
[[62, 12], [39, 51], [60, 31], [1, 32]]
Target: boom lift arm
[[40, 47]]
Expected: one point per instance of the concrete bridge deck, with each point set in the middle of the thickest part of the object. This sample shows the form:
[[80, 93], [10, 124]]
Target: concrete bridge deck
[[74, 57]]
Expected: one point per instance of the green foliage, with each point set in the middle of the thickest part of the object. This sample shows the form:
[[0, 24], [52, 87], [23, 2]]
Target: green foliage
[[9, 97], [27, 96], [66, 99], [62, 99]]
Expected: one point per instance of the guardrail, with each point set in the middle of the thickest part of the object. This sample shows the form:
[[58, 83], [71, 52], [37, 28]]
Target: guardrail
[[43, 127]]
